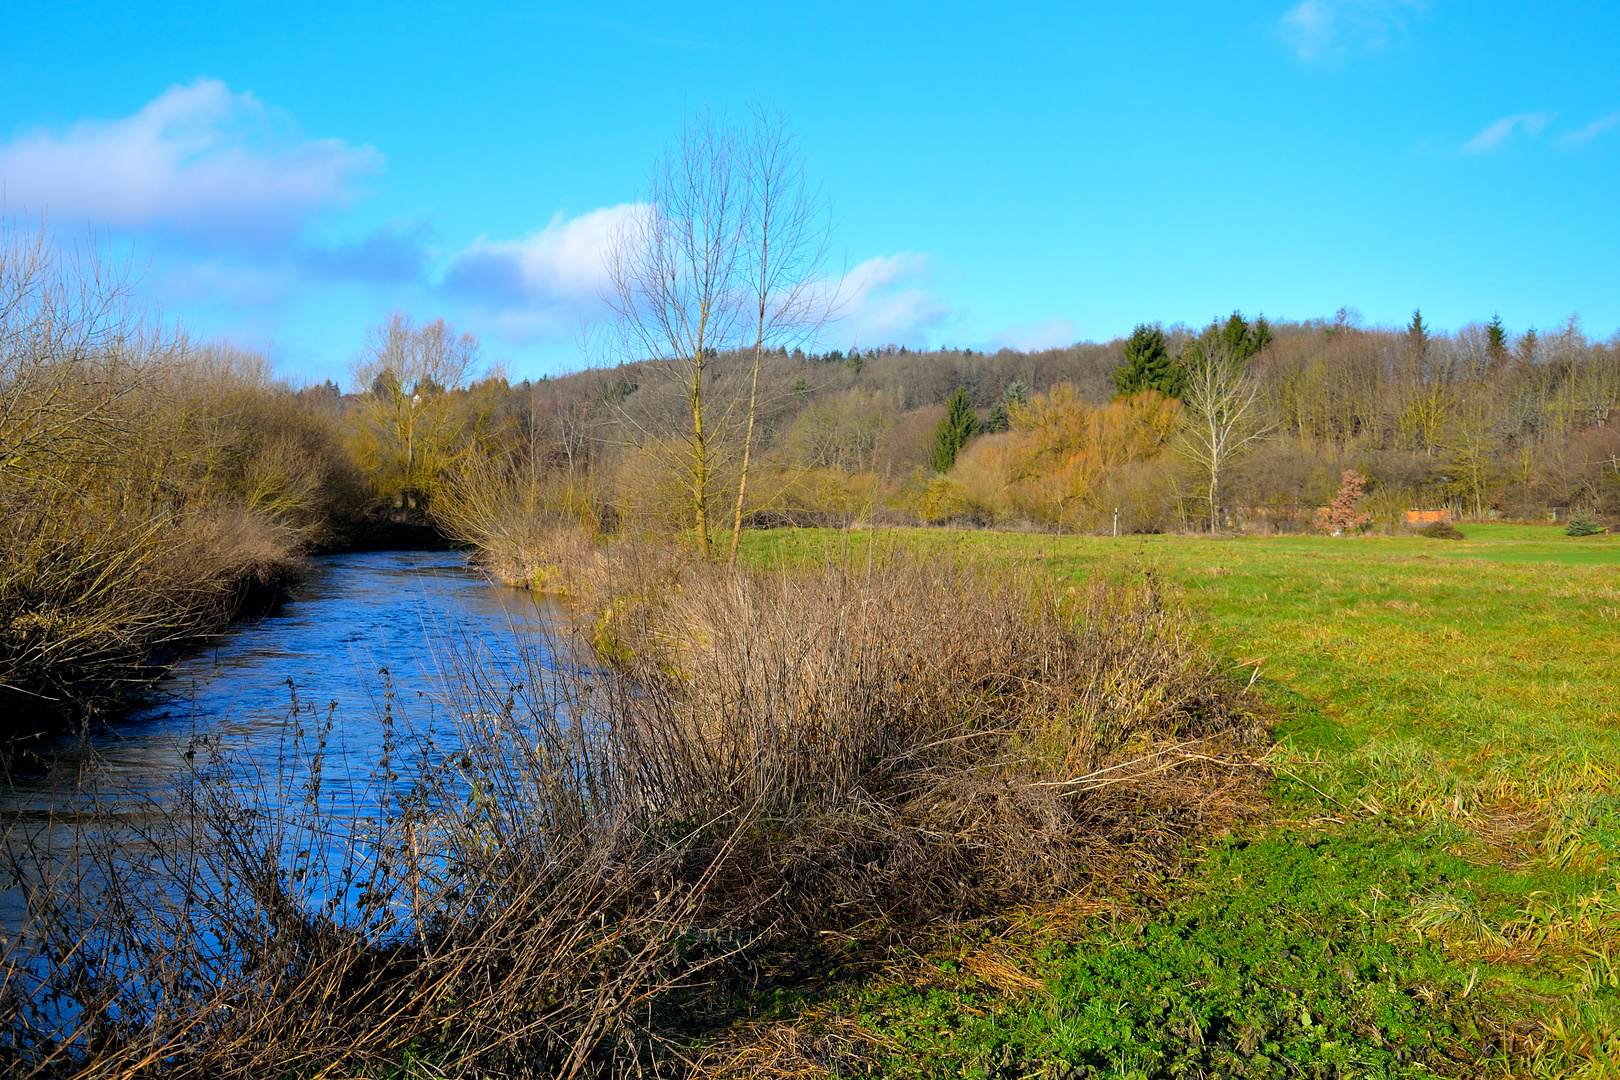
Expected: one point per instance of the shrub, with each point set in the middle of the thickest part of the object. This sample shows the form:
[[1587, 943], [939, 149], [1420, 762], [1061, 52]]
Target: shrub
[[1441, 530], [147, 487], [1342, 515], [1581, 524], [942, 501]]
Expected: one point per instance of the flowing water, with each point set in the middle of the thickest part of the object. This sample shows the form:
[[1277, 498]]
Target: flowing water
[[366, 642]]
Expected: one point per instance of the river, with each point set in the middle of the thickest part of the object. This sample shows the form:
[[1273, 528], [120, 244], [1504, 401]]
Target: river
[[365, 640]]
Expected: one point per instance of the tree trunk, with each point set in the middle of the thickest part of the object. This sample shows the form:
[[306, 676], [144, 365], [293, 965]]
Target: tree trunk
[[748, 443], [700, 460]]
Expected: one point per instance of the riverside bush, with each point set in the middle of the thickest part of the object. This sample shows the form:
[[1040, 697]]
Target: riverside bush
[[149, 487]]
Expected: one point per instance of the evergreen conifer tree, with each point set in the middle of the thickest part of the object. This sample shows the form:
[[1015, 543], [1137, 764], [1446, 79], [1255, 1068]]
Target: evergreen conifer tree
[[1418, 333], [1496, 345], [955, 429], [1148, 365], [1000, 418]]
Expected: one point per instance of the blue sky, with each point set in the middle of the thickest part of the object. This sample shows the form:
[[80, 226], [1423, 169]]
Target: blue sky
[[1023, 174]]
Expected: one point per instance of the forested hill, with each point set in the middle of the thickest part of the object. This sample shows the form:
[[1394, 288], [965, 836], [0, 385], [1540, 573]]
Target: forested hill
[[1492, 423]]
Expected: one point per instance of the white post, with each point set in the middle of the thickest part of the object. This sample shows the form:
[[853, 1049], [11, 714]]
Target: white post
[[1116, 521]]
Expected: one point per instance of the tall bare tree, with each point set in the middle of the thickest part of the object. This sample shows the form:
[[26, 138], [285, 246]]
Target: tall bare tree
[[786, 229], [726, 255], [1224, 417], [674, 274]]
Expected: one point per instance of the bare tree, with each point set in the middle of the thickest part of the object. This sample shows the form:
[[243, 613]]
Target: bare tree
[[71, 346], [787, 229], [1223, 413], [405, 374], [674, 271]]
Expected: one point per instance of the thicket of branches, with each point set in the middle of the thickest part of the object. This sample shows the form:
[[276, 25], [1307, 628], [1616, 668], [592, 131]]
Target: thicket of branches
[[149, 485]]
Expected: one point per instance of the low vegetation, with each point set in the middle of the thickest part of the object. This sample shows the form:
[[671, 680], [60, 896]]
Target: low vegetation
[[774, 764], [1430, 892]]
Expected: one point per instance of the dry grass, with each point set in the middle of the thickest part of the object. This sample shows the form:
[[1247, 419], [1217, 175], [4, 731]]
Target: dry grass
[[525, 528], [918, 736], [607, 851]]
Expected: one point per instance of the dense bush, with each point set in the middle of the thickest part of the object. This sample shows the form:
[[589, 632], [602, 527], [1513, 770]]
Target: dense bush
[[149, 486]]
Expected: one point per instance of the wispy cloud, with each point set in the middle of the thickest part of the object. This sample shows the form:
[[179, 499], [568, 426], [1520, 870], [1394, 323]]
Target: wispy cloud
[[199, 160], [1496, 133], [546, 282], [1319, 28], [887, 300], [1584, 135]]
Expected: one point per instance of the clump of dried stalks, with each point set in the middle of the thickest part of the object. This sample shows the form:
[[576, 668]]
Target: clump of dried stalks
[[768, 755], [526, 527]]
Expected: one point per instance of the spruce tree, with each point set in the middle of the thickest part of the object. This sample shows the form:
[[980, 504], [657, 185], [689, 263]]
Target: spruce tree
[[1148, 365], [955, 429], [1235, 335], [1496, 345], [1418, 333], [1000, 418], [1262, 333]]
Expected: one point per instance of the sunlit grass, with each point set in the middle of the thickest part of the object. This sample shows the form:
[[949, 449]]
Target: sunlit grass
[[1449, 714]]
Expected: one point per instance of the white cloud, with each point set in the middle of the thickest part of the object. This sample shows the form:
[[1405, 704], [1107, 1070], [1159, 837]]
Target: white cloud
[[1582, 136], [545, 282], [1496, 133], [1316, 28], [198, 159], [886, 301], [1046, 334]]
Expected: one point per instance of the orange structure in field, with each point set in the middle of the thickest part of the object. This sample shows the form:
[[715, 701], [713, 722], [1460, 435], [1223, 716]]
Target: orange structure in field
[[1426, 517]]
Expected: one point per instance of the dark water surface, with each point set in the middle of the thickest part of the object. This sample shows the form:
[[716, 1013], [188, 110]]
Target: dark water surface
[[365, 635]]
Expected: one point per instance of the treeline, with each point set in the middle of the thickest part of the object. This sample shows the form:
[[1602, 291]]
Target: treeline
[[1236, 425]]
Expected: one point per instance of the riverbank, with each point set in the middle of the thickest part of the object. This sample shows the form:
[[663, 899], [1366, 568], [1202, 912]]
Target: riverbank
[[90, 641], [770, 757]]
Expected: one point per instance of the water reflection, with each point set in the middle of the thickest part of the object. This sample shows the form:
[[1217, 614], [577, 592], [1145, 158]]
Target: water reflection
[[355, 617]]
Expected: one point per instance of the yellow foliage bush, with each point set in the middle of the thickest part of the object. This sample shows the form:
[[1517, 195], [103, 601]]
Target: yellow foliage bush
[[1063, 455]]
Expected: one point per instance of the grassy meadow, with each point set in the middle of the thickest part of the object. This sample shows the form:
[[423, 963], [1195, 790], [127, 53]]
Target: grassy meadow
[[1428, 889]]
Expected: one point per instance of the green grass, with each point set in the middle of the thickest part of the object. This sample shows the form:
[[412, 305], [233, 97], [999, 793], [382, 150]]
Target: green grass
[[1434, 890]]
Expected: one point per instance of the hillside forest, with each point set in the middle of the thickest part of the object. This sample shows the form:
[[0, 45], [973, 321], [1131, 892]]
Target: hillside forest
[[1238, 425]]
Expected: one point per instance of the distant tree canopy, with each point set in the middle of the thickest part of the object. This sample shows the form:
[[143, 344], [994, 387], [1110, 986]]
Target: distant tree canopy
[[955, 429], [1244, 339], [1236, 341], [1148, 365], [1480, 418], [1496, 338]]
